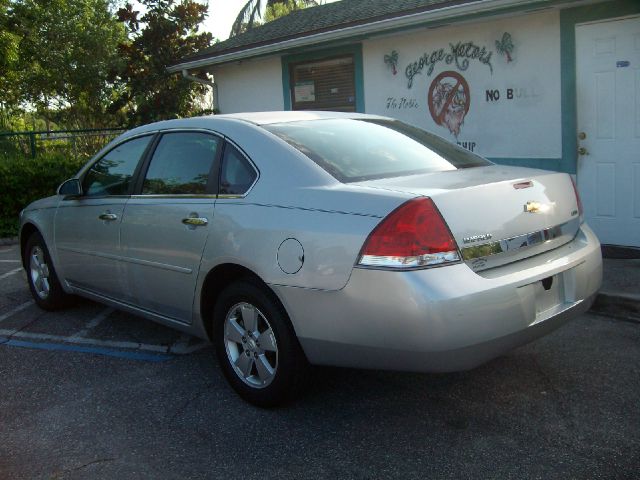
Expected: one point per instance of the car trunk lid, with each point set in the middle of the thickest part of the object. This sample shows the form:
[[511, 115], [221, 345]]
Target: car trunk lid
[[498, 214]]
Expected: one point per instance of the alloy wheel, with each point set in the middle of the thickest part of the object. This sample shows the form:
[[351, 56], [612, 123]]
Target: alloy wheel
[[39, 272], [250, 345]]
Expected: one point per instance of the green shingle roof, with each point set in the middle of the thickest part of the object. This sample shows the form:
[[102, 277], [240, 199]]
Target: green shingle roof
[[324, 18]]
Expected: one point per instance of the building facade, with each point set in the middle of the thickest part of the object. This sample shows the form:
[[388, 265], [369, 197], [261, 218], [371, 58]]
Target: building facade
[[545, 84]]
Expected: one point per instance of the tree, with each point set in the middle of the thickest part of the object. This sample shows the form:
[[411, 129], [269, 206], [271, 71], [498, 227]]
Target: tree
[[66, 52], [282, 9], [9, 46], [251, 12], [166, 33]]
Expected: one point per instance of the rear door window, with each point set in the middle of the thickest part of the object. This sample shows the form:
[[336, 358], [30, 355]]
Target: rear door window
[[182, 164]]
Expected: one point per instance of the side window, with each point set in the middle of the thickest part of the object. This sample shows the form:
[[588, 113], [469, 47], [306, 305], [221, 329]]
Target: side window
[[236, 175], [181, 164], [112, 174]]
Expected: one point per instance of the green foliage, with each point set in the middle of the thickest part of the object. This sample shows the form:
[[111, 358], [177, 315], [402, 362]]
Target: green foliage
[[166, 33], [65, 58], [77, 64], [9, 45], [23, 180], [281, 9]]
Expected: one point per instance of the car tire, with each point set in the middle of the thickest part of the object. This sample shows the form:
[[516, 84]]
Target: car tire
[[41, 275], [256, 346]]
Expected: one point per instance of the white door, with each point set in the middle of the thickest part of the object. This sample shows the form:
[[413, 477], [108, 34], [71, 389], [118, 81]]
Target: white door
[[608, 96]]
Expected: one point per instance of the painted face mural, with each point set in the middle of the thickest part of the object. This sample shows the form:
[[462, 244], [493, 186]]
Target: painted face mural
[[449, 100]]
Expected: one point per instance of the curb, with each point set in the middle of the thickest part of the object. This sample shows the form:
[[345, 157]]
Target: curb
[[622, 306]]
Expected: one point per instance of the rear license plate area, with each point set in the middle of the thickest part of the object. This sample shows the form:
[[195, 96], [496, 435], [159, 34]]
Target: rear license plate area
[[549, 294]]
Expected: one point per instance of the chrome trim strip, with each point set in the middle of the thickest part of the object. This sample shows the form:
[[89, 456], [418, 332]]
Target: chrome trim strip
[[226, 196], [521, 242], [147, 263], [177, 196]]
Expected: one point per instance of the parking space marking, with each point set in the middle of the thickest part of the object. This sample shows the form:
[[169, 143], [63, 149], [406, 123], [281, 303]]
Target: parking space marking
[[15, 310], [181, 344], [79, 342], [93, 323], [86, 341], [9, 261], [129, 355], [10, 272]]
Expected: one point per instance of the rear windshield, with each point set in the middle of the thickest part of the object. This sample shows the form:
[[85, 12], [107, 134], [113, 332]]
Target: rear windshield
[[354, 150]]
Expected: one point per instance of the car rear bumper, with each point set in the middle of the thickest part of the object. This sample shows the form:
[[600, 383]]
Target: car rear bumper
[[448, 318]]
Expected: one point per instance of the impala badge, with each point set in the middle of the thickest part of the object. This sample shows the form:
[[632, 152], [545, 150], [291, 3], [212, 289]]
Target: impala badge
[[477, 238]]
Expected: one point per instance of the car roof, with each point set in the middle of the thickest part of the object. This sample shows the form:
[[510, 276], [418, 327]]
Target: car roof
[[266, 118], [223, 123]]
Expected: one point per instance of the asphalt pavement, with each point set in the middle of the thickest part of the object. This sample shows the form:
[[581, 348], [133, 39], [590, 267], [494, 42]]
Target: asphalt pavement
[[91, 393]]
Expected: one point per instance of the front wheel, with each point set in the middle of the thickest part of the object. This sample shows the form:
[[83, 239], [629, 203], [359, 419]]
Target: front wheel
[[255, 344], [43, 280]]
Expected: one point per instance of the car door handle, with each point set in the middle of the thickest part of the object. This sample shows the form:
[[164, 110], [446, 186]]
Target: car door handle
[[109, 217], [195, 221]]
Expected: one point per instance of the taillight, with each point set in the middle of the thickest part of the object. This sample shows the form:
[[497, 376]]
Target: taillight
[[580, 207], [413, 235]]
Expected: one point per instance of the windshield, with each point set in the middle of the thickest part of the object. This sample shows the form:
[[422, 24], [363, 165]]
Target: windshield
[[354, 150]]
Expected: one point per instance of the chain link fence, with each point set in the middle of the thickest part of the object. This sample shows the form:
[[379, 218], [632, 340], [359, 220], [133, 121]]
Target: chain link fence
[[72, 143]]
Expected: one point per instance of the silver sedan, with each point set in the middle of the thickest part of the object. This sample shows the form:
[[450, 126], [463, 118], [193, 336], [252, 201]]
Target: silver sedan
[[289, 238]]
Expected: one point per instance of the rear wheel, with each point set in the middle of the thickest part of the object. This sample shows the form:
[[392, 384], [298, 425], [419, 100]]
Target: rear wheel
[[43, 280], [255, 344]]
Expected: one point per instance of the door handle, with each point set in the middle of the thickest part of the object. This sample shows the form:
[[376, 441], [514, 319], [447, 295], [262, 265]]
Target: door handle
[[109, 217], [195, 221], [582, 151]]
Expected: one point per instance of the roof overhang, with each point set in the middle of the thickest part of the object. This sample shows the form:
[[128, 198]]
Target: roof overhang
[[390, 24]]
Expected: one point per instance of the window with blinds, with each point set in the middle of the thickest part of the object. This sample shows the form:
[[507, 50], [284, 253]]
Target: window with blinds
[[324, 85]]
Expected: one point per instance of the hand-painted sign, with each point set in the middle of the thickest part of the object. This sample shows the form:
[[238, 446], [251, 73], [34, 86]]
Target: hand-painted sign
[[505, 46], [392, 61], [402, 103], [459, 55], [449, 99]]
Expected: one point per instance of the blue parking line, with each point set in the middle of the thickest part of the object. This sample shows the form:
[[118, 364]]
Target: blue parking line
[[137, 355]]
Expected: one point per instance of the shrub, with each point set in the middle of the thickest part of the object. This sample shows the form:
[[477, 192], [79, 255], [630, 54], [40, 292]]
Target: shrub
[[23, 180]]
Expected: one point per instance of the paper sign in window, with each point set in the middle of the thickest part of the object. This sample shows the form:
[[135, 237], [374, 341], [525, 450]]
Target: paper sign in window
[[305, 92]]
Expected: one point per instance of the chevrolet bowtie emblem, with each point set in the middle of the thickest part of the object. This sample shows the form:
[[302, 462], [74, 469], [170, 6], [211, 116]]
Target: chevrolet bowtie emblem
[[532, 207]]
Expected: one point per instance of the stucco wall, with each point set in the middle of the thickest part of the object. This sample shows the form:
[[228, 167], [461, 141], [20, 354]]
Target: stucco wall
[[512, 102], [250, 86]]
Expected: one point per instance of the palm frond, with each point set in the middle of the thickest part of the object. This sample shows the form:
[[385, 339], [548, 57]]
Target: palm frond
[[251, 12], [246, 17]]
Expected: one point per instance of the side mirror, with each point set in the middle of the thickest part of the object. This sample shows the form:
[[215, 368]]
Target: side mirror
[[70, 188]]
